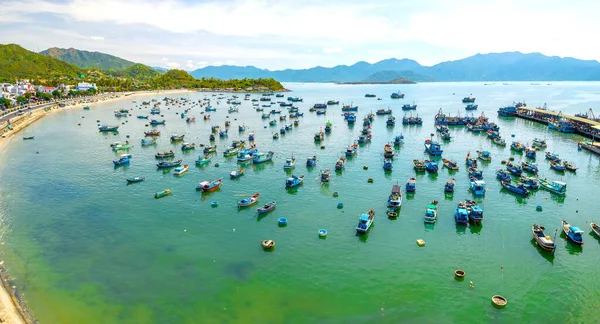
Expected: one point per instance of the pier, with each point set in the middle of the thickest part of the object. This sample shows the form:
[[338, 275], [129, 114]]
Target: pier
[[583, 126]]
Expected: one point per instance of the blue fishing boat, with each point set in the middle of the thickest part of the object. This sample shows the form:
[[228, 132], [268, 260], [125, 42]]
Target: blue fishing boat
[[475, 212], [433, 148], [209, 186], [539, 143], [450, 164], [249, 201], [289, 163], [431, 212], [446, 136], [237, 173], [475, 173], [518, 189], [514, 169], [555, 187], [503, 175], [395, 198], [121, 161], [155, 122], [188, 146], [266, 208], [450, 184], [351, 119], [107, 128], [411, 185], [461, 214], [135, 179], [478, 187], [223, 133], [349, 107], [339, 165], [557, 165], [325, 175], [165, 154], [294, 181], [541, 239], [320, 106], [262, 157], [168, 164], [573, 233], [242, 128], [146, 142], [370, 95], [210, 108], [328, 126], [311, 161], [509, 111], [471, 106], [387, 165], [397, 95], [399, 139], [365, 221], [176, 138], [142, 117], [351, 150], [530, 153], [530, 183], [409, 107], [230, 151], [518, 147], [529, 167], [562, 125], [468, 100], [120, 114], [204, 160], [391, 121], [485, 156], [552, 156], [251, 137], [431, 166]]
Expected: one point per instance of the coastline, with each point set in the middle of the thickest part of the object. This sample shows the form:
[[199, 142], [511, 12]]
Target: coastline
[[12, 307]]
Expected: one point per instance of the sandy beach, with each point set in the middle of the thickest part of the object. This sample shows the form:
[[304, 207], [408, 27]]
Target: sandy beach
[[12, 309]]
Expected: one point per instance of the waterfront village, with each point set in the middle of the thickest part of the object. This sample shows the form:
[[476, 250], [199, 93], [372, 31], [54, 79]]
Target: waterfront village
[[24, 92]]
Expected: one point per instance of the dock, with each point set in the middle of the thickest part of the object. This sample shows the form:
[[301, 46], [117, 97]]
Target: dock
[[583, 126]]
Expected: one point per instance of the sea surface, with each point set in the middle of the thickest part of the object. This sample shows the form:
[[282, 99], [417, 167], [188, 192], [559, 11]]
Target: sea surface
[[82, 246]]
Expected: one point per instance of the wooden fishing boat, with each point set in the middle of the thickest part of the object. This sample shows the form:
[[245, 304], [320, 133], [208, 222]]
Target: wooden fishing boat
[[558, 166], [411, 185], [248, 201], [152, 133], [450, 184], [237, 173], [365, 221], [311, 161], [135, 179], [541, 239], [177, 138], [431, 166], [188, 146], [570, 166], [388, 151], [419, 166], [431, 212], [450, 164], [555, 187], [266, 207], [395, 198], [204, 160], [208, 186], [573, 233], [596, 229], [387, 164], [165, 154], [210, 149], [28, 137], [168, 164], [162, 193], [325, 175], [484, 155], [180, 170], [294, 181]]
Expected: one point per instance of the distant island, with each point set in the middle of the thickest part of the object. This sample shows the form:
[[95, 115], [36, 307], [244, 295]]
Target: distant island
[[395, 81]]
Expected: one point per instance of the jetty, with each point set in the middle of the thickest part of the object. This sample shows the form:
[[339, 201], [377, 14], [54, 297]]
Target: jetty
[[583, 126]]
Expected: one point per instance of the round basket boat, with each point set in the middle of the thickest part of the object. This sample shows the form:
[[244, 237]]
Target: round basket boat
[[322, 232], [282, 221], [460, 273], [538, 208], [511, 158], [392, 213], [335, 194], [267, 244], [214, 203], [340, 205], [370, 180], [365, 167], [499, 301]]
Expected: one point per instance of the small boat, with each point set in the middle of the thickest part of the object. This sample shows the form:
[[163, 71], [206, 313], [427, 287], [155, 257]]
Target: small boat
[[168, 164], [162, 193], [391, 121], [266, 208], [177, 138], [478, 187], [419, 166], [471, 106], [555, 187], [503, 175], [433, 148], [411, 185], [530, 153], [474, 211], [499, 141], [388, 151], [135, 179], [570, 166], [484, 156], [399, 139], [188, 146], [431, 212], [223, 133], [230, 151], [461, 214], [107, 128], [450, 164], [541, 239], [152, 133], [573, 232], [539, 143], [238, 143], [211, 137], [28, 137], [387, 164], [166, 154], [409, 107], [326, 175], [275, 136], [339, 165], [147, 142], [468, 100], [383, 112], [124, 160], [518, 189], [450, 184], [311, 161], [180, 170], [552, 156], [205, 159], [596, 229], [397, 95], [333, 102], [237, 173], [514, 169], [365, 221], [242, 128], [248, 201], [157, 122], [190, 119], [529, 167], [208, 186], [529, 182], [431, 166], [262, 157], [294, 181], [395, 198], [210, 149], [273, 122], [518, 147], [352, 149], [370, 95], [328, 126], [289, 163], [319, 136], [558, 166], [475, 173]]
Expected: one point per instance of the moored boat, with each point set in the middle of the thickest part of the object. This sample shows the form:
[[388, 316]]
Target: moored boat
[[180, 170], [294, 181], [558, 166], [450, 164], [365, 221], [541, 239], [204, 160], [555, 187], [387, 164], [474, 211], [237, 173], [503, 175], [208, 186], [596, 229], [289, 163], [311, 161], [529, 167], [395, 198], [478, 187], [188, 146], [433, 148], [573, 233], [518, 147], [177, 138], [152, 133], [339, 165], [484, 155], [570, 166], [266, 207], [248, 201], [450, 184], [431, 212], [210, 149], [262, 157], [135, 179], [147, 142], [514, 169], [411, 185], [461, 214], [518, 189], [165, 154], [325, 175], [530, 153], [168, 164], [431, 166], [107, 128], [162, 193]]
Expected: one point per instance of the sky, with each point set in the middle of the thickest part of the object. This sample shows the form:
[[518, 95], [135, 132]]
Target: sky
[[279, 34]]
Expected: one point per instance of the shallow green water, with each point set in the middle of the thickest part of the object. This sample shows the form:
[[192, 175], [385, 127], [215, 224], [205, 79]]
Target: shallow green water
[[84, 247]]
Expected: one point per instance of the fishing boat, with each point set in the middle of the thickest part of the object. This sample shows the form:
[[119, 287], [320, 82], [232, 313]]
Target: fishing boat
[[365, 221], [211, 137], [450, 164], [364, 139], [168, 164], [518, 189], [518, 147], [28, 137], [478, 187], [311, 161], [321, 112], [530, 183], [383, 112], [180, 170], [391, 121], [461, 214], [266, 207], [558, 166], [419, 166], [124, 160], [166, 154], [152, 133], [107, 128], [230, 151], [154, 122], [399, 139], [569, 166], [484, 156], [248, 201], [514, 169], [541, 239], [339, 165], [238, 143], [431, 212], [499, 141], [573, 233], [475, 173], [468, 100], [471, 106], [474, 211], [388, 151], [387, 164], [563, 125], [289, 163], [262, 157], [210, 149], [431, 166], [223, 133], [370, 95], [349, 107], [411, 185], [596, 229], [446, 136], [294, 181], [433, 148], [503, 175], [177, 138], [242, 128], [555, 187], [135, 179], [530, 153], [333, 102], [552, 156], [529, 167], [147, 142], [208, 186], [325, 175], [319, 136], [210, 108], [328, 126], [204, 160], [190, 119], [162, 193], [121, 146], [450, 184], [188, 146], [352, 149], [395, 198], [409, 107], [397, 95], [539, 143], [237, 173]]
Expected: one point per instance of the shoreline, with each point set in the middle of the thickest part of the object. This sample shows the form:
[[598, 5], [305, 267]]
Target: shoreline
[[12, 306]]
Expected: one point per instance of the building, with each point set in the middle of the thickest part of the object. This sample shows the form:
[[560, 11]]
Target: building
[[45, 89], [83, 86]]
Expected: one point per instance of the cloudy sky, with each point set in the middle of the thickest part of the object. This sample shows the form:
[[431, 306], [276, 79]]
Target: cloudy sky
[[278, 34]]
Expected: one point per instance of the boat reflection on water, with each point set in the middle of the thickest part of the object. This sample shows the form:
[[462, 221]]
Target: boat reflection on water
[[461, 229], [572, 248], [548, 256], [475, 229]]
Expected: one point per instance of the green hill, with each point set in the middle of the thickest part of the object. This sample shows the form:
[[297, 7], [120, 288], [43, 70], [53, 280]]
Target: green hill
[[17, 62], [175, 79], [137, 71], [85, 59]]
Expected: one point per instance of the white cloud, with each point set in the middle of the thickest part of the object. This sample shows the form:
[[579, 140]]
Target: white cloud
[[332, 50], [165, 59], [173, 65], [189, 65]]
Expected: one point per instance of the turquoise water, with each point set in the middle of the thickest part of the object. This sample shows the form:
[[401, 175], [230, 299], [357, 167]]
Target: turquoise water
[[85, 247]]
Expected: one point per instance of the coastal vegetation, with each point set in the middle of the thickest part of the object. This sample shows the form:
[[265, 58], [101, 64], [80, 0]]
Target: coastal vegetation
[[85, 59]]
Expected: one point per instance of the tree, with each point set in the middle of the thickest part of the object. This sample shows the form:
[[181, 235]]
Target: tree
[[46, 96], [5, 103], [56, 93], [38, 94], [21, 100]]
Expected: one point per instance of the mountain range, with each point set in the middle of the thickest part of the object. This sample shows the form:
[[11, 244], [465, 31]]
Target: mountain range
[[508, 66], [85, 59]]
